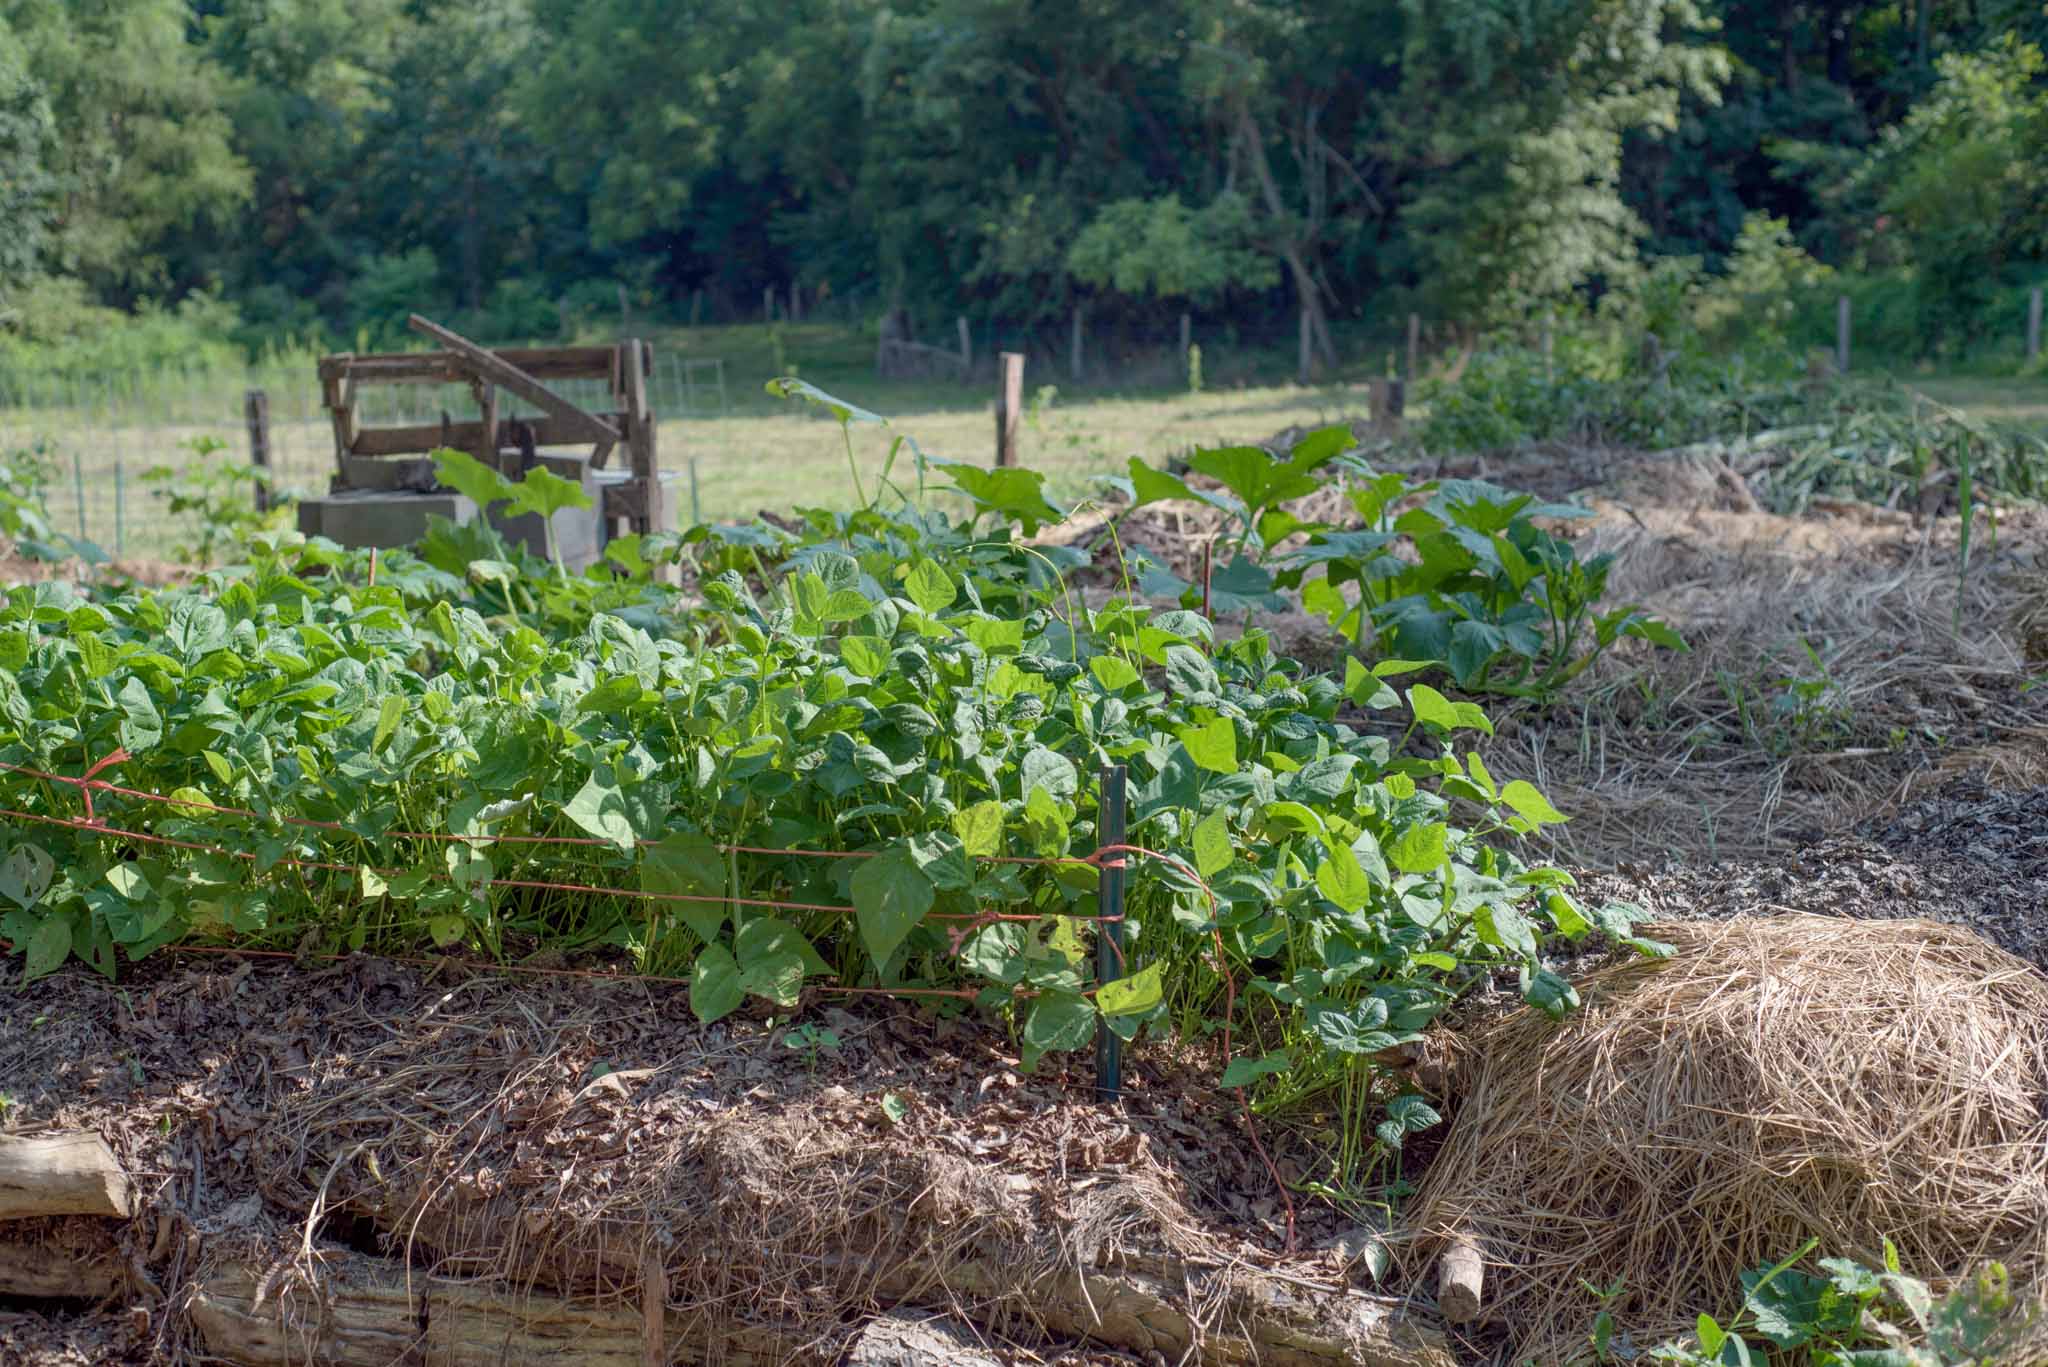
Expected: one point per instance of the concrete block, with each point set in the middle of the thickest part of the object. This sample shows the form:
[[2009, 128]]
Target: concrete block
[[366, 517]]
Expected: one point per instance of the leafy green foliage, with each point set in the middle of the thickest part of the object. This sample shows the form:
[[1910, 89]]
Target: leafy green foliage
[[539, 491], [216, 499], [1166, 249], [1502, 604], [1951, 175], [1849, 1315], [888, 685]]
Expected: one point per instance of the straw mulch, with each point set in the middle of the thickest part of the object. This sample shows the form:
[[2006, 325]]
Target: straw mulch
[[1715, 753], [1781, 1079]]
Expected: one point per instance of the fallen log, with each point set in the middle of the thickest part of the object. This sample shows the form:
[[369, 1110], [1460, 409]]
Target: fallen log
[[1150, 1306], [63, 1174], [50, 1270], [900, 1339], [1145, 1304], [370, 1312]]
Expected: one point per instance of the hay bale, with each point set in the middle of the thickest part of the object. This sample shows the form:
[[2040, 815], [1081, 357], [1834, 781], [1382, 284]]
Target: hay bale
[[1780, 1079]]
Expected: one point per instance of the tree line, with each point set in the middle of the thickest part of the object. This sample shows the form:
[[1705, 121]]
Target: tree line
[[273, 169]]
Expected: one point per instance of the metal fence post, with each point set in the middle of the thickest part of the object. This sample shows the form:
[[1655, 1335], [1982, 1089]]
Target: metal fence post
[[1109, 944]]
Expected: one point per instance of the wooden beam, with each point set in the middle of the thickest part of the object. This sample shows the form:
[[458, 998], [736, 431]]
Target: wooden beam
[[624, 502], [641, 451], [508, 376], [1009, 406], [465, 436], [256, 409], [337, 395], [487, 443], [438, 367]]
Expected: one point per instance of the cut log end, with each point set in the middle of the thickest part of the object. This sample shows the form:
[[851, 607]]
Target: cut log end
[[63, 1174], [1460, 1278]]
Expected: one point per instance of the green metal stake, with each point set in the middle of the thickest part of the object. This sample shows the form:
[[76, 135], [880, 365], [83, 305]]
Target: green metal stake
[[1109, 945]]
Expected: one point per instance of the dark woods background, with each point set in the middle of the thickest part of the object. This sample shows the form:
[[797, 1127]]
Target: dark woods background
[[269, 172]]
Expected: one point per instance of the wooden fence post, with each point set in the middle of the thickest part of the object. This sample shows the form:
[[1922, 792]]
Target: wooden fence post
[[256, 408], [1842, 335], [768, 303], [1414, 346], [1077, 341], [1009, 407], [966, 349], [2034, 325], [796, 302], [1305, 370], [696, 306]]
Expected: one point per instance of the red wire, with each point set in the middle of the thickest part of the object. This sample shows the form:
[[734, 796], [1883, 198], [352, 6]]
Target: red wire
[[87, 783]]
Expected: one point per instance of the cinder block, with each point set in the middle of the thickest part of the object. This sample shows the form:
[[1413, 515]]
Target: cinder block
[[364, 517]]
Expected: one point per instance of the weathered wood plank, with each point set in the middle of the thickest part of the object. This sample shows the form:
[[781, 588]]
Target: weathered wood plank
[[371, 1313], [439, 367], [466, 436], [495, 368]]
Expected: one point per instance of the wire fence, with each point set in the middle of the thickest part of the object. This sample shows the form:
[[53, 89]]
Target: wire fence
[[98, 435], [1110, 859]]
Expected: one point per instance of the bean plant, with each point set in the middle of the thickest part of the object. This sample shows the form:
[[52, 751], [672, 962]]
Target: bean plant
[[382, 765]]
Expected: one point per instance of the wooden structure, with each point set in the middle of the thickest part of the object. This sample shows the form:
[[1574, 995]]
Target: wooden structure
[[393, 459]]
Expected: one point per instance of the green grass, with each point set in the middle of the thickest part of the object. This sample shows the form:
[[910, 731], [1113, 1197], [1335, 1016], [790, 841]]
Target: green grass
[[754, 451], [770, 453], [2014, 399]]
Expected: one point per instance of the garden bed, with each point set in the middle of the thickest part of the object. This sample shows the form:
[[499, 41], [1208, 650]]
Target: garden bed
[[540, 1150], [525, 1154], [861, 756]]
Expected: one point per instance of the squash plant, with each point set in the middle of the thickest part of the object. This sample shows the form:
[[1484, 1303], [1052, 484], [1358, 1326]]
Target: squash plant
[[1502, 605]]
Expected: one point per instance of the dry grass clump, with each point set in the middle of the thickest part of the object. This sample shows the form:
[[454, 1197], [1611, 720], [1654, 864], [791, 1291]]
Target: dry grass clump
[[1780, 1080]]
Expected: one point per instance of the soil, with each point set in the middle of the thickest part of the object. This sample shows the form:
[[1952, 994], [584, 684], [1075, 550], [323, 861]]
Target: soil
[[1969, 855], [15, 569]]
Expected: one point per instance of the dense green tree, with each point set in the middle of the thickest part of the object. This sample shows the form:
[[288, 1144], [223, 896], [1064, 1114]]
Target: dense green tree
[[25, 185], [1962, 178], [328, 164], [143, 150], [1522, 110]]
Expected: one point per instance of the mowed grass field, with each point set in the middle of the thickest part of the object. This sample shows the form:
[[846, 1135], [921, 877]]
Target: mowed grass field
[[747, 451]]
